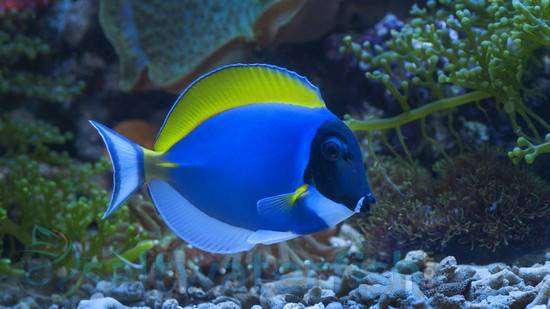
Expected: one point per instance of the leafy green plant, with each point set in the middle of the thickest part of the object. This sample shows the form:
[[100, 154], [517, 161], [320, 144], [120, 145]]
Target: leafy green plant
[[460, 52]]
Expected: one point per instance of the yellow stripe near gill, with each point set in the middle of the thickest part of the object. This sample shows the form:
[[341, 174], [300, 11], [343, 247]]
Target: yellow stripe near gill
[[298, 194], [232, 87]]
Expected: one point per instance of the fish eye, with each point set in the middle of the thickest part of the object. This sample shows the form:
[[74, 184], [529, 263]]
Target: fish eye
[[332, 149]]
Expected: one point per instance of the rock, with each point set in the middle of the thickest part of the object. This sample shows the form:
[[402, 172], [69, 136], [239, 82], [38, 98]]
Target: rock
[[520, 299], [59, 300], [226, 302], [497, 267], [207, 306], [480, 272], [447, 271], [97, 295], [514, 299], [26, 303], [354, 276], [10, 294], [228, 305], [153, 298], [229, 287], [316, 306], [295, 286], [417, 277], [104, 287], [196, 293], [543, 294], [497, 301], [448, 302], [429, 269], [170, 304], [294, 306], [317, 294], [450, 289], [368, 295], [350, 304], [406, 267], [497, 281], [403, 292], [129, 291], [299, 274], [247, 300], [414, 261], [103, 303], [280, 300], [418, 257], [445, 264], [534, 275], [334, 305], [463, 273], [377, 267]]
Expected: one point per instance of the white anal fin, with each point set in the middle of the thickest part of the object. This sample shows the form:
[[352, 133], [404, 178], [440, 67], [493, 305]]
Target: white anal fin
[[267, 237], [194, 226]]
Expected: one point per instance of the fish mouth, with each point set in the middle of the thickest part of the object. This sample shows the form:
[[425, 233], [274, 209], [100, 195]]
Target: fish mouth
[[363, 205]]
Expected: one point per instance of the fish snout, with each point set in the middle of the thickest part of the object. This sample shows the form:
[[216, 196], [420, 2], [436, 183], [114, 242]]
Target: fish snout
[[363, 205]]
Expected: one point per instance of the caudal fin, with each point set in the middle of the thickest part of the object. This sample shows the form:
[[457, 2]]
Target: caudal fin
[[128, 167]]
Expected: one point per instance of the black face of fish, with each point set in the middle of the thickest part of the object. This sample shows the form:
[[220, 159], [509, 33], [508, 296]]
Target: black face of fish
[[336, 167]]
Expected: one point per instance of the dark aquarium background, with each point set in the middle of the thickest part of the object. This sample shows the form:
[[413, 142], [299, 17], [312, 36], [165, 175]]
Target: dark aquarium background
[[450, 101]]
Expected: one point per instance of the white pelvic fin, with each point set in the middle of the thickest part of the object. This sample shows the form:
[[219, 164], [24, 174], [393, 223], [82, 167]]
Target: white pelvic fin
[[267, 237], [127, 160], [193, 225]]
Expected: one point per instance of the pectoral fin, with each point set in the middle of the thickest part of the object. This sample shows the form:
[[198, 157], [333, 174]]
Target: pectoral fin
[[280, 208]]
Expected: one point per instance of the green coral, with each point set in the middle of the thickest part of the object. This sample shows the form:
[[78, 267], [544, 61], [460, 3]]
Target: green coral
[[475, 201], [18, 48], [481, 46], [50, 201], [529, 151]]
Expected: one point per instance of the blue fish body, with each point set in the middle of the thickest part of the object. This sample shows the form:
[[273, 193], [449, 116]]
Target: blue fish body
[[248, 154], [263, 151]]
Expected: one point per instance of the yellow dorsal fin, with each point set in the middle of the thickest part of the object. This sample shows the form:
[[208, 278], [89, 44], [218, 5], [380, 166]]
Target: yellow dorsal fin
[[234, 86]]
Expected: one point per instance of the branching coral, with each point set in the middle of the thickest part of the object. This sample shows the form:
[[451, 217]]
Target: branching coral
[[450, 47], [477, 200], [529, 151], [17, 49], [52, 204]]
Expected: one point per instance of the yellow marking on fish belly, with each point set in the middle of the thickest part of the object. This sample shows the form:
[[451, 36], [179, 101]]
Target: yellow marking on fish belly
[[298, 193]]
